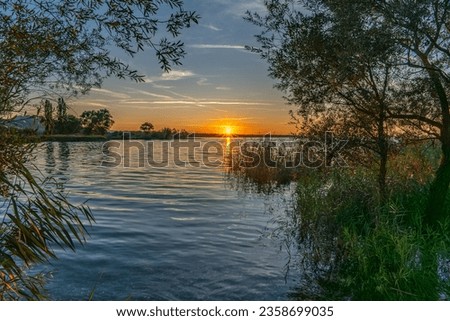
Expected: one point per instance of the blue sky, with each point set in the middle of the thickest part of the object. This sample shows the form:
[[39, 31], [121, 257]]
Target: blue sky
[[219, 84]]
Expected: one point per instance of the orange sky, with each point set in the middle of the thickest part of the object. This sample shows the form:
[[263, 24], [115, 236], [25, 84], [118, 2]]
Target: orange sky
[[132, 106], [219, 82]]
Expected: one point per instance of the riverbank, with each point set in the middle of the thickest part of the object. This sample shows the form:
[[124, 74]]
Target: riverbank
[[133, 135]]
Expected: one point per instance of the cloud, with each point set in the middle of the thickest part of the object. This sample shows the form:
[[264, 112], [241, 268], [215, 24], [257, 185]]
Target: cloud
[[211, 27], [223, 88], [203, 82], [232, 103], [161, 86], [233, 119], [110, 93], [238, 8], [91, 103], [214, 46], [177, 75], [146, 93], [173, 75], [196, 102], [252, 6]]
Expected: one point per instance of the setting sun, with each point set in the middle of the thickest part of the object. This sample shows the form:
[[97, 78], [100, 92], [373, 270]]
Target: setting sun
[[228, 130]]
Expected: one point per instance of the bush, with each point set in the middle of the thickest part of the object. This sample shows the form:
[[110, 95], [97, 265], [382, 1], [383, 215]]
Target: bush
[[68, 125], [357, 248]]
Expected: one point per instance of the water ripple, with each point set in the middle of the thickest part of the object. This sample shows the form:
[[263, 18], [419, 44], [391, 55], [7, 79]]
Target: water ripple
[[162, 234]]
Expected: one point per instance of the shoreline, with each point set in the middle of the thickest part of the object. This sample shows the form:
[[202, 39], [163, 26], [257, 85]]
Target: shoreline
[[100, 138]]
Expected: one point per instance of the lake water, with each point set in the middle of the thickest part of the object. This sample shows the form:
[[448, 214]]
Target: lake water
[[168, 233]]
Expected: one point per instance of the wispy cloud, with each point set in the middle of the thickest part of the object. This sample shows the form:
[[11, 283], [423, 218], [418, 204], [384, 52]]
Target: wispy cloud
[[238, 8], [215, 46], [194, 102], [231, 103], [212, 27], [110, 93], [91, 103], [185, 97], [177, 75], [223, 88], [169, 76], [203, 82], [157, 86], [233, 119], [147, 93]]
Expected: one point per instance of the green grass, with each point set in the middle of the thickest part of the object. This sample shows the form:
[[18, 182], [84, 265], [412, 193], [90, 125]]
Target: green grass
[[371, 251], [352, 245]]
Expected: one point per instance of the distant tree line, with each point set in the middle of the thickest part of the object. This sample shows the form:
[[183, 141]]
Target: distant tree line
[[58, 121], [147, 132]]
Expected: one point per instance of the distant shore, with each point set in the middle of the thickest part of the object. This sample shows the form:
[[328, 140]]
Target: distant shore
[[135, 136]]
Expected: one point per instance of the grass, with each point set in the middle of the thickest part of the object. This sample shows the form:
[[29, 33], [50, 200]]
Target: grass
[[375, 251], [351, 245]]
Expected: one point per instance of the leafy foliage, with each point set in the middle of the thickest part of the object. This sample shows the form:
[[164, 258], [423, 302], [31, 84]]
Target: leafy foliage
[[49, 122], [68, 125], [371, 69], [147, 127], [63, 47], [35, 219], [96, 121], [345, 254]]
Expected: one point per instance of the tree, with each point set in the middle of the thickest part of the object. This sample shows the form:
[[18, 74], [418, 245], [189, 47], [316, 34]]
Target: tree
[[68, 125], [55, 49], [61, 109], [96, 121], [421, 30], [61, 48], [147, 127], [335, 72], [383, 63], [48, 117], [167, 133]]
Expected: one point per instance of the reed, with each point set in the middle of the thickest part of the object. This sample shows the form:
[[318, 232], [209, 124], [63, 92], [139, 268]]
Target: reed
[[353, 245]]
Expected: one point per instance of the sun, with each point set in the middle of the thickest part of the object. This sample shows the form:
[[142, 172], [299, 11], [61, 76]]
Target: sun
[[228, 130]]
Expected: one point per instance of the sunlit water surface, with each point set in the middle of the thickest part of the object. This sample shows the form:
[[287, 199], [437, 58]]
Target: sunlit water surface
[[172, 233]]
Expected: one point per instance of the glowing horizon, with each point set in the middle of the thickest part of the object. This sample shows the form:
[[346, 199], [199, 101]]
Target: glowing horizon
[[219, 82]]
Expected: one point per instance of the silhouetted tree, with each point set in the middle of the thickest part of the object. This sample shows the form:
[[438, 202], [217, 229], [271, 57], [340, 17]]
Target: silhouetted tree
[[147, 127], [376, 63], [61, 109], [49, 122], [69, 125], [167, 133], [96, 121], [336, 74]]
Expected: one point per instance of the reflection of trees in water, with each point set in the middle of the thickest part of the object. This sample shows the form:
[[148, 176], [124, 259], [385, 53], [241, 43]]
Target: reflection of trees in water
[[50, 161], [256, 166], [278, 188], [64, 156], [57, 167]]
